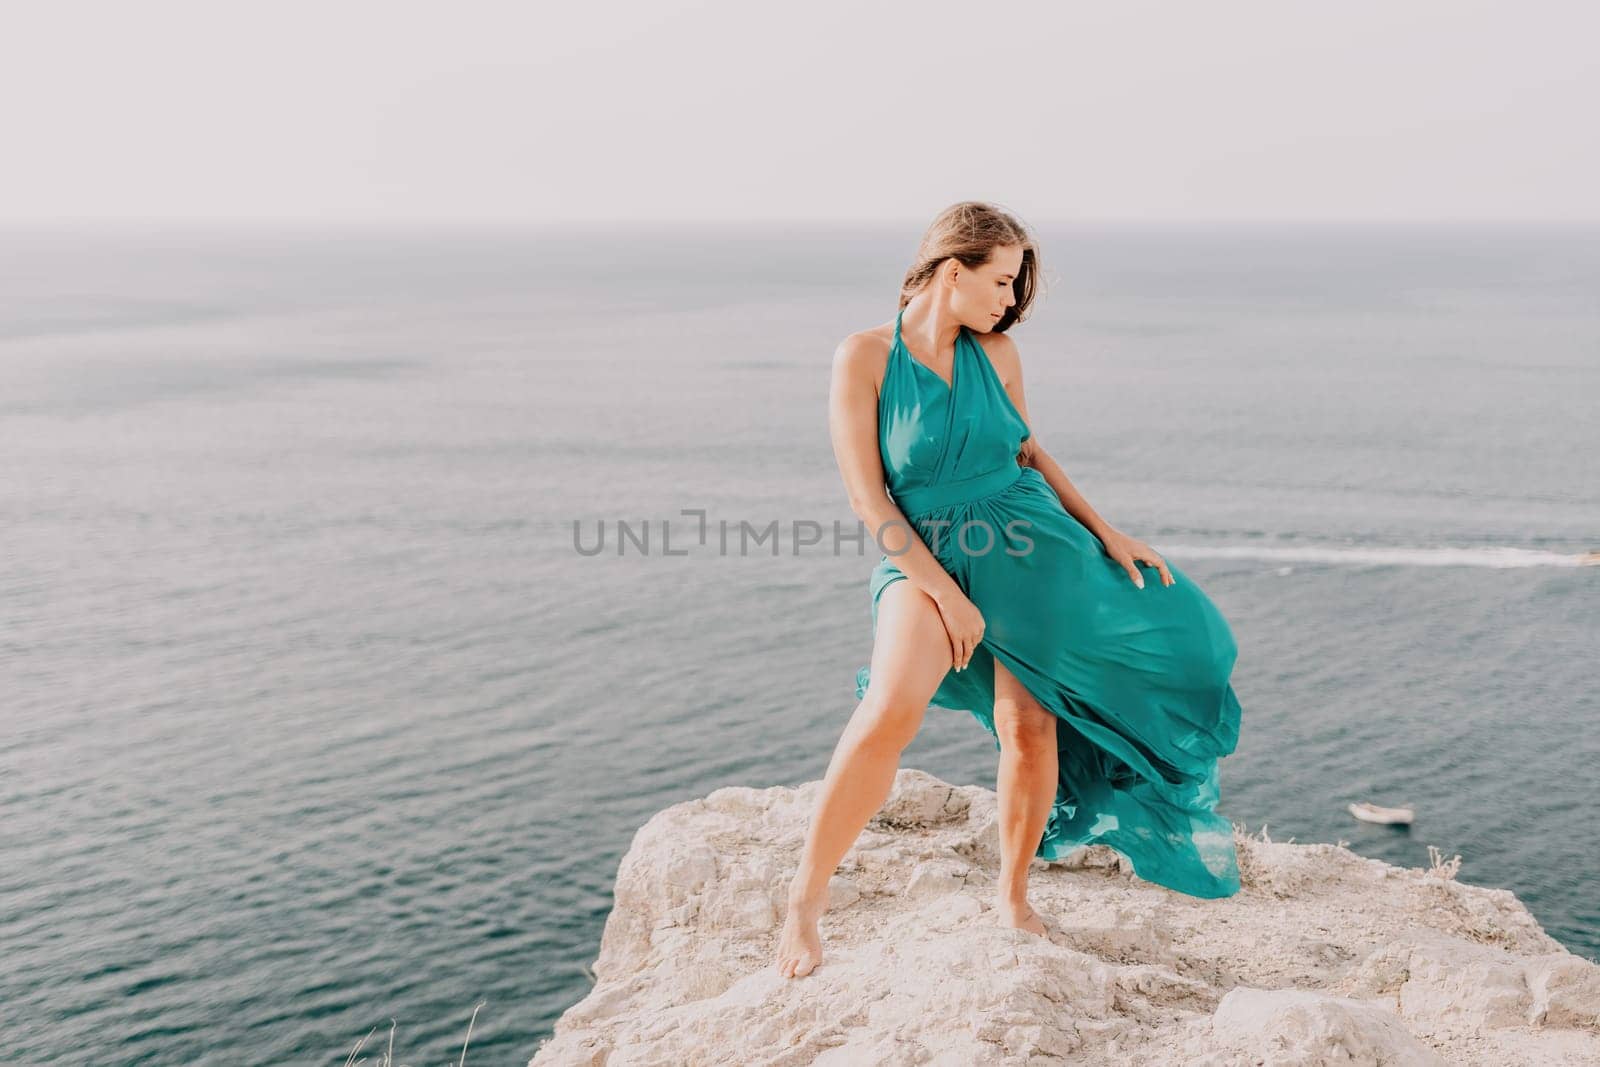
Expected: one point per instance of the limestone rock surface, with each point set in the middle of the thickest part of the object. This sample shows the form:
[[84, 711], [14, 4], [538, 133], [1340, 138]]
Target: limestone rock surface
[[1323, 957]]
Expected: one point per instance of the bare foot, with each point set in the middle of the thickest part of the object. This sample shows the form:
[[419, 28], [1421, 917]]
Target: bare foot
[[1019, 915], [799, 947]]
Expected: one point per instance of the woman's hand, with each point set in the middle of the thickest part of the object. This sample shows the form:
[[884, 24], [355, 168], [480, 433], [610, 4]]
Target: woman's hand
[[964, 623], [1125, 549]]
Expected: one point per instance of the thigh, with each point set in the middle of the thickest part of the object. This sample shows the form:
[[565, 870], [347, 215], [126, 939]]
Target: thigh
[[911, 649], [1018, 715]]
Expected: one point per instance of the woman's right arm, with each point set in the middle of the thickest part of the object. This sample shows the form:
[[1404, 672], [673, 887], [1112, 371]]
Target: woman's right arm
[[853, 428]]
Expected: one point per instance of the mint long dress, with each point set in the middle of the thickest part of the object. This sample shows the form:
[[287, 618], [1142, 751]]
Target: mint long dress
[[1138, 678]]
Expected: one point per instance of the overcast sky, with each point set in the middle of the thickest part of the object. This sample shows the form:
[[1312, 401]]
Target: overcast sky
[[1063, 111]]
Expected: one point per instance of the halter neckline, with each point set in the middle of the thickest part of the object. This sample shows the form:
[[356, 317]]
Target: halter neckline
[[955, 359]]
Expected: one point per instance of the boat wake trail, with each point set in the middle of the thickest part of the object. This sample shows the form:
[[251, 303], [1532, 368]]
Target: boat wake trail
[[1495, 557]]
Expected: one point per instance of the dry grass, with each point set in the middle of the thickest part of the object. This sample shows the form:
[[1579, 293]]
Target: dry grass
[[387, 1060], [1439, 867], [1250, 873]]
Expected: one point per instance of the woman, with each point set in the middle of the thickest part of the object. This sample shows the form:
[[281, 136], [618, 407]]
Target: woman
[[1008, 596]]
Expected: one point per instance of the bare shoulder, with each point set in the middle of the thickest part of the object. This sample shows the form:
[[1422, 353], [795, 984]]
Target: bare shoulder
[[865, 353], [1002, 352]]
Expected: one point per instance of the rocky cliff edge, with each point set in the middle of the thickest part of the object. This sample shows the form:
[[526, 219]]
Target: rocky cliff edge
[[1323, 957]]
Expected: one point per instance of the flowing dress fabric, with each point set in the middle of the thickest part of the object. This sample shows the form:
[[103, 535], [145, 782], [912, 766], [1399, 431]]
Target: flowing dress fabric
[[1138, 678]]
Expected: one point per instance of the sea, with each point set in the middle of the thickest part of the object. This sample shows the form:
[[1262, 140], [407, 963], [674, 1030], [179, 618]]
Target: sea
[[323, 722]]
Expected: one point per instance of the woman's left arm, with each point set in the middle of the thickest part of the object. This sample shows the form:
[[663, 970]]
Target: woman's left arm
[[1118, 545]]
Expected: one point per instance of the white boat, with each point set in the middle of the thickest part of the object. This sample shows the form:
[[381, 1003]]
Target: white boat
[[1389, 816]]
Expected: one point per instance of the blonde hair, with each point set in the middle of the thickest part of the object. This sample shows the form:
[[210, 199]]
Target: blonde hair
[[970, 232]]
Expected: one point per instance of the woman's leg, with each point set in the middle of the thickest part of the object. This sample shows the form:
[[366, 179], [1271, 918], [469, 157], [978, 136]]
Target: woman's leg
[[1026, 789], [910, 657]]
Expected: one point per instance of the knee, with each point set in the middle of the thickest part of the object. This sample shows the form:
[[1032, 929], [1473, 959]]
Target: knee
[[1026, 733], [887, 722]]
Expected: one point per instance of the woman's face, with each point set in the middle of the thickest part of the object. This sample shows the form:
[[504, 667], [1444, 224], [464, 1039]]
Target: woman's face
[[983, 294]]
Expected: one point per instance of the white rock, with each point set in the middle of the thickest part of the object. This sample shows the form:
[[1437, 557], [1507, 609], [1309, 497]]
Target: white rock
[[935, 878], [1300, 1028], [1323, 957], [1565, 991]]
